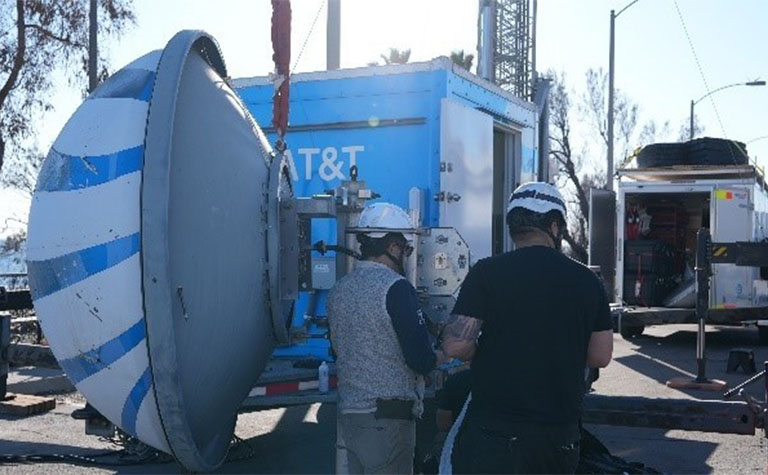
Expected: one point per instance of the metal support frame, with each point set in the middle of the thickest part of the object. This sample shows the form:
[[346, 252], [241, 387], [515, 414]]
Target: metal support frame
[[15, 299], [748, 254], [506, 39], [703, 272], [5, 343]]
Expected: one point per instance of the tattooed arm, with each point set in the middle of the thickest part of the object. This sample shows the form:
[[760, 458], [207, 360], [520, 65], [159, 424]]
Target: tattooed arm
[[460, 336]]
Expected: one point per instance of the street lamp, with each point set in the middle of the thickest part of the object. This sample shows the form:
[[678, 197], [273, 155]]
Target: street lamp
[[693, 103], [610, 94]]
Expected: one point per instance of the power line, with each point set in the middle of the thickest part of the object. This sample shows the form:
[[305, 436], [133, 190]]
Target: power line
[[306, 39], [701, 70]]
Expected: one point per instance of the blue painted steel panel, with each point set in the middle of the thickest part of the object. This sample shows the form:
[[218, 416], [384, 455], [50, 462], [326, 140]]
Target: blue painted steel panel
[[348, 120]]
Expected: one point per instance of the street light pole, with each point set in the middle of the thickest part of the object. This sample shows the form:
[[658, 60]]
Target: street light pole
[[609, 174], [693, 103]]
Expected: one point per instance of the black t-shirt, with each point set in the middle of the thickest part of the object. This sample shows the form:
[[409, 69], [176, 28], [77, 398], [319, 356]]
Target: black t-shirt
[[539, 309], [455, 391]]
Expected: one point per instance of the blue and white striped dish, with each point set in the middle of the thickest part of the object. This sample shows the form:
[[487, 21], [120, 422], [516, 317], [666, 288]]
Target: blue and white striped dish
[[84, 243]]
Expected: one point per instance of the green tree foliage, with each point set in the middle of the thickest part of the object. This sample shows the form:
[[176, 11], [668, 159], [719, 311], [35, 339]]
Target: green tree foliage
[[38, 38], [396, 56], [462, 59]]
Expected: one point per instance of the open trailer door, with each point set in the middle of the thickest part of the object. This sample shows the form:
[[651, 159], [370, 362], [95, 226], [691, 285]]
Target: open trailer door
[[602, 236], [731, 218], [466, 179]]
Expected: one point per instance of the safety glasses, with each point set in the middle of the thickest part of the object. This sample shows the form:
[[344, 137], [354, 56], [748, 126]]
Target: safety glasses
[[407, 248]]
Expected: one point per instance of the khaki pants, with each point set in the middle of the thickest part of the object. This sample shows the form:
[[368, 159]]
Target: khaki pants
[[378, 445]]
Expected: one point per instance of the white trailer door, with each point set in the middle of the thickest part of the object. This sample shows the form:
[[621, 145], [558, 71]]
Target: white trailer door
[[466, 178], [732, 222]]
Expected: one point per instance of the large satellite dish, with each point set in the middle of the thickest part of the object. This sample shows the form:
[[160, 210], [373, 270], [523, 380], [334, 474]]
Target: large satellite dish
[[152, 250]]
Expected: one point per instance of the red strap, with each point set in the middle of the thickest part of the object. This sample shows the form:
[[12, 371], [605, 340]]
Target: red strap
[[281, 47]]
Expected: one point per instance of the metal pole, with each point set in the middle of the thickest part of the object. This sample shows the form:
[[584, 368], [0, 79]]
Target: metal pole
[[5, 342], [692, 104], [93, 51], [609, 174], [535, 75], [333, 35], [486, 61], [765, 387], [702, 300]]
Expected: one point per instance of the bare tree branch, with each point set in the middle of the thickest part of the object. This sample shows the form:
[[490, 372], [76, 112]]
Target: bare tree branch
[[48, 33], [18, 61]]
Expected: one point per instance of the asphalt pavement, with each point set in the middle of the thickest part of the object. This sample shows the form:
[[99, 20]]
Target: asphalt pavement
[[301, 439]]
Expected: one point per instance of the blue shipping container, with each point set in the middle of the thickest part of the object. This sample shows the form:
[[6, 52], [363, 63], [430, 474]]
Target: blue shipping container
[[464, 142]]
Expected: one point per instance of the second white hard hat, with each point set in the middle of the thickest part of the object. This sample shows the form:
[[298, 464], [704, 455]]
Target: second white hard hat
[[539, 197]]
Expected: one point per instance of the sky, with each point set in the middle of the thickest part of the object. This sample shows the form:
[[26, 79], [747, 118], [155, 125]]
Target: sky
[[655, 61]]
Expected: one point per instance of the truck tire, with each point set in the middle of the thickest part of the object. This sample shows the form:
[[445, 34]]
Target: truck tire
[[631, 331], [662, 155], [762, 335], [713, 151]]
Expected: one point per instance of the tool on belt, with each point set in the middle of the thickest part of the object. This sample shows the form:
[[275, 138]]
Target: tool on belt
[[401, 409]]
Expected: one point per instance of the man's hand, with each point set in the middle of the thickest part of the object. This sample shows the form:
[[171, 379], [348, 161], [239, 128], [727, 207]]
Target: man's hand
[[441, 357], [460, 336]]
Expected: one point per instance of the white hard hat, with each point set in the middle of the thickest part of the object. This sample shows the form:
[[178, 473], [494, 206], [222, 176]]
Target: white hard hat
[[384, 216], [539, 197]]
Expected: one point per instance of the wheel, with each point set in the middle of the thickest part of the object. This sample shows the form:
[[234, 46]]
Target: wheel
[[631, 331], [762, 335]]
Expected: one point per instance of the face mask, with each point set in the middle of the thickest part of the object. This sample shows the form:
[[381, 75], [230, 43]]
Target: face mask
[[406, 251], [399, 263]]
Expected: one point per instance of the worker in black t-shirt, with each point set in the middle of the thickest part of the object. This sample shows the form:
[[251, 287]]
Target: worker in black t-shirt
[[543, 317]]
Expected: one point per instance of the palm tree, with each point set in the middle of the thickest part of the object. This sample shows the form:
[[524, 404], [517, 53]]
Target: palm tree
[[462, 59], [397, 56]]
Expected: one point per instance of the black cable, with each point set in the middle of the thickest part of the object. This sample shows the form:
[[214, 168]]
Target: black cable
[[124, 457], [323, 248], [89, 459]]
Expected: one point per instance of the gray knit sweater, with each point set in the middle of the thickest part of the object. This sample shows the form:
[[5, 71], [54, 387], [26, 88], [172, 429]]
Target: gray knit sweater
[[370, 363]]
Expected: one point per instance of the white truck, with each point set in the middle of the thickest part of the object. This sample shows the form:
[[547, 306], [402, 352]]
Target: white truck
[[648, 262]]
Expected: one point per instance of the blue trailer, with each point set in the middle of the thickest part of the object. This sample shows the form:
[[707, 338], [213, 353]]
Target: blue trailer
[[461, 141]]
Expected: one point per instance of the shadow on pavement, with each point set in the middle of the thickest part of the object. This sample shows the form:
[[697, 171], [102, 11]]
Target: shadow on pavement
[[662, 358], [271, 452], [275, 451], [655, 449], [49, 455]]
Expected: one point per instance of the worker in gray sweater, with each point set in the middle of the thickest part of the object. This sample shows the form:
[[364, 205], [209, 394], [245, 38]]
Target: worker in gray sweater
[[382, 347]]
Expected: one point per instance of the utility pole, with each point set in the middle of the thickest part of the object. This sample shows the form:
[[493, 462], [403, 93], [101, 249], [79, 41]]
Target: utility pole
[[93, 51], [333, 35], [691, 131], [609, 173]]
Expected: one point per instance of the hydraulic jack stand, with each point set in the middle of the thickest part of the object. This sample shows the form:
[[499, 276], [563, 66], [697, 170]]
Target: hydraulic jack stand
[[703, 272]]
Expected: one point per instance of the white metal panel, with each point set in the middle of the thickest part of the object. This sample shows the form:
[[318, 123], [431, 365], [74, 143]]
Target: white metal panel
[[732, 222], [466, 147], [104, 213], [618, 285], [760, 214]]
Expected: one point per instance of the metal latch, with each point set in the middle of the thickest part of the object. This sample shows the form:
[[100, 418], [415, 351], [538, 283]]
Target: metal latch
[[447, 196]]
